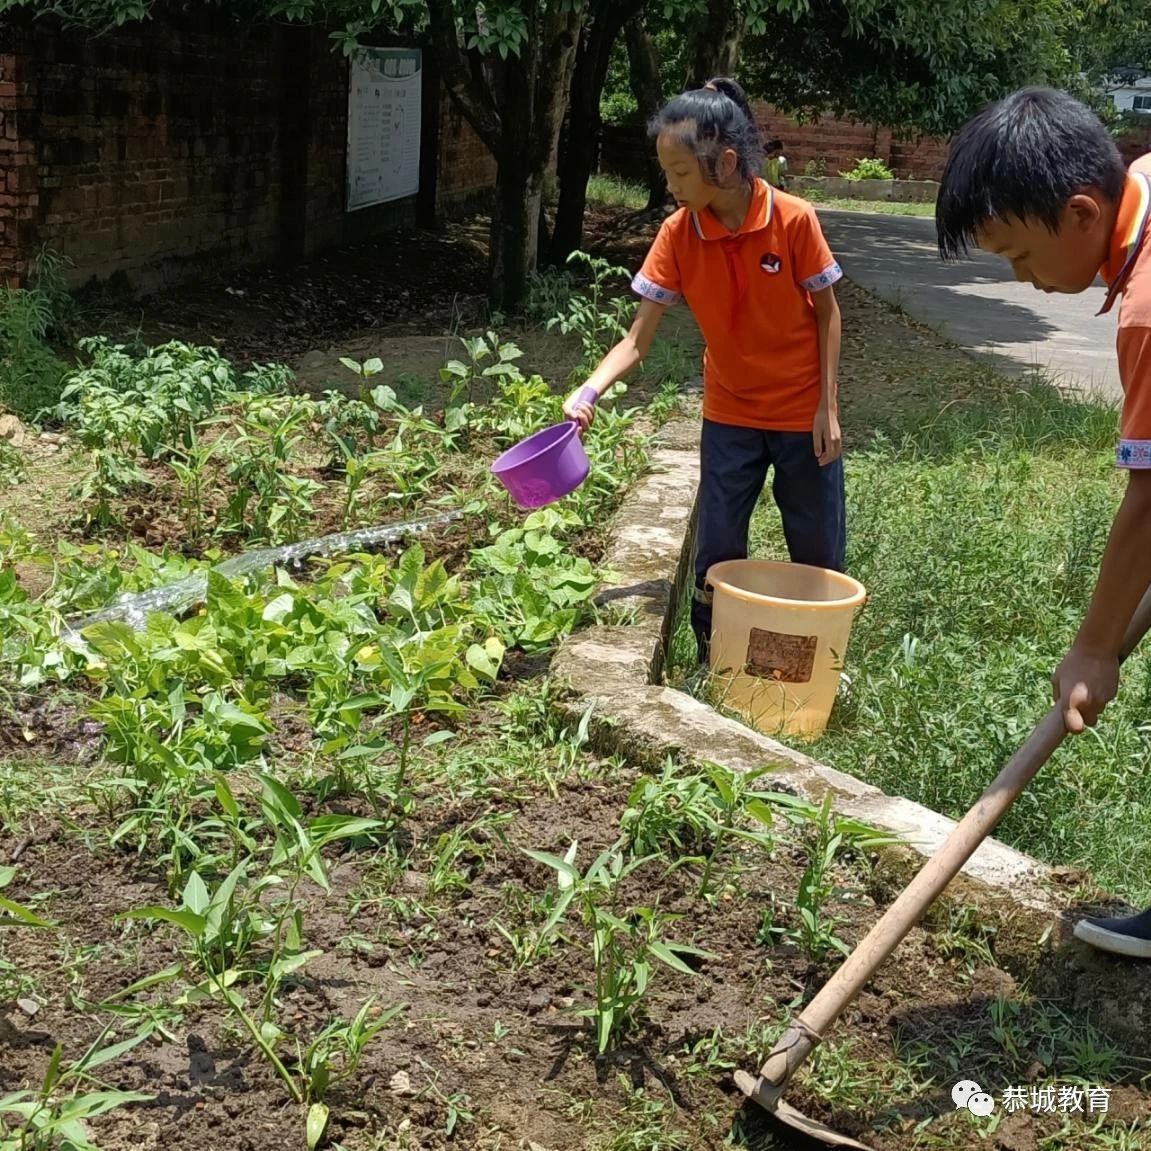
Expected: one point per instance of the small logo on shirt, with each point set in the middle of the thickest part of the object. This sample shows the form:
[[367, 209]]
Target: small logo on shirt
[[770, 263]]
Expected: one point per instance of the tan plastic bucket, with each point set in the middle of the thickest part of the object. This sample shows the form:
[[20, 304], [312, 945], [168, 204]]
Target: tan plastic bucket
[[779, 635]]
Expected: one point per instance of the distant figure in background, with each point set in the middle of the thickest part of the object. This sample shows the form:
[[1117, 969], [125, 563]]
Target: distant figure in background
[[775, 166]]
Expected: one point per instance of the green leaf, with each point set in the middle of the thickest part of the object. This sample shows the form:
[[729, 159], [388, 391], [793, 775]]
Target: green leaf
[[7, 874], [605, 1021], [330, 828], [291, 963], [196, 897], [101, 1102], [188, 921], [281, 798], [317, 1124], [279, 608], [481, 661], [97, 1058], [52, 1075], [16, 915], [270, 1033], [225, 797], [145, 984], [666, 953], [561, 866]]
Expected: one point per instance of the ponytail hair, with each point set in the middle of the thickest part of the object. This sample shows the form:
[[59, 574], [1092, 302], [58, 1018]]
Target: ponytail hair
[[733, 90], [711, 120]]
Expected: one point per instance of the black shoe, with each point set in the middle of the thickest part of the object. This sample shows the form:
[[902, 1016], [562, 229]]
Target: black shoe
[[1130, 936]]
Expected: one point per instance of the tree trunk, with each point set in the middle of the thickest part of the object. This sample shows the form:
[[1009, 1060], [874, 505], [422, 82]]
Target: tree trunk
[[716, 51], [648, 92], [531, 94], [514, 232], [516, 107], [580, 144]]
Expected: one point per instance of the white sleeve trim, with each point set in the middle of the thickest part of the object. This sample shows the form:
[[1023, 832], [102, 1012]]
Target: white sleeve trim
[[1133, 454], [832, 274], [650, 290]]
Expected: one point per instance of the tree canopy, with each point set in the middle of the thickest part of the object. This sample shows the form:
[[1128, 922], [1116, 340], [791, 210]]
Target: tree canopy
[[516, 67], [915, 65]]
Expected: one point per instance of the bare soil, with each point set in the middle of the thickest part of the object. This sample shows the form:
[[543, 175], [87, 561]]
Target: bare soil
[[474, 1025]]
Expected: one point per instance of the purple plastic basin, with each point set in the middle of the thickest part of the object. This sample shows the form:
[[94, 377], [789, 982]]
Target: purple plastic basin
[[546, 466]]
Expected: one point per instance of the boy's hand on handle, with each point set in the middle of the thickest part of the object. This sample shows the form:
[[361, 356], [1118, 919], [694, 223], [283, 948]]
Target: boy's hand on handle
[[1083, 684], [580, 406], [826, 436]]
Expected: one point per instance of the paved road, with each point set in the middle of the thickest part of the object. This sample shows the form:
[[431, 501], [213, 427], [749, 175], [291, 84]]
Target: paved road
[[976, 302]]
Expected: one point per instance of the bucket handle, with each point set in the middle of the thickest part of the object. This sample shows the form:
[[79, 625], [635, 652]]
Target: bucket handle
[[587, 395]]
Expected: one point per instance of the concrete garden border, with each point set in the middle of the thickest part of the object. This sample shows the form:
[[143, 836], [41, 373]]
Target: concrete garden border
[[897, 191], [617, 671]]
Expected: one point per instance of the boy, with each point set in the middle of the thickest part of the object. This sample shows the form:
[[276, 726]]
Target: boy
[[1037, 179], [775, 165]]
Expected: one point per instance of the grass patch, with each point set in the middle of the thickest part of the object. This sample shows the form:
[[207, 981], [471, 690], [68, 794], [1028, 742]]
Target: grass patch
[[612, 192], [877, 207], [978, 536]]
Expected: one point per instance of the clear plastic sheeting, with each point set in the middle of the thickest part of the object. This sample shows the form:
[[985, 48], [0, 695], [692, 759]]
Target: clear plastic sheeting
[[178, 597]]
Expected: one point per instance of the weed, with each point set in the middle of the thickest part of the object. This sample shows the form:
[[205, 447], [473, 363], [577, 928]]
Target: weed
[[624, 943], [16, 914], [31, 374], [648, 1124], [12, 467], [966, 936], [466, 845], [56, 1114], [598, 319], [549, 293]]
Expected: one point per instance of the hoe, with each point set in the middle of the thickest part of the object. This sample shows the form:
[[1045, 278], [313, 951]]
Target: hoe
[[808, 1029]]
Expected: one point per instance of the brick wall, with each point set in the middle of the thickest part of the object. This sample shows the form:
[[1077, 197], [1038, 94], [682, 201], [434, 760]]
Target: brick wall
[[163, 145], [838, 143], [18, 199], [467, 174]]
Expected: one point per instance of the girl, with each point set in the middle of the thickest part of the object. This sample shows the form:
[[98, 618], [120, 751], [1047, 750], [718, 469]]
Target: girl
[[754, 268]]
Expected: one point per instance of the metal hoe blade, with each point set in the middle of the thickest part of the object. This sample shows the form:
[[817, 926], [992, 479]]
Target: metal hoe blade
[[785, 1113]]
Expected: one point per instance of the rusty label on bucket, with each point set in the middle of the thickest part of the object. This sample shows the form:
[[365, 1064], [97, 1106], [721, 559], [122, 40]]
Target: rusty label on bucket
[[773, 655]]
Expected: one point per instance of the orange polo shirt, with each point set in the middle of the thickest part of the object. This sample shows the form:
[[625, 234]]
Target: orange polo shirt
[[1128, 273], [750, 292]]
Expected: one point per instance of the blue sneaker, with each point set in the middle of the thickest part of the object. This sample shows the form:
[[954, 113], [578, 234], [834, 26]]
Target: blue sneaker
[[1130, 936]]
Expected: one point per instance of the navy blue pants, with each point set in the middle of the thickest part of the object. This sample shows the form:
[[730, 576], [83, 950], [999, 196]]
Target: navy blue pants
[[733, 470]]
